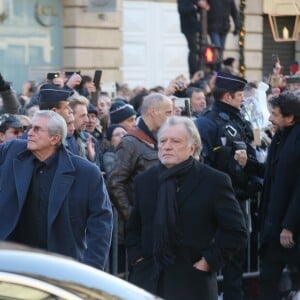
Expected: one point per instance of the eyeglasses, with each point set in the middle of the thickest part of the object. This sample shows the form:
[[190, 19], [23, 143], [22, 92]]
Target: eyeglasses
[[36, 129]]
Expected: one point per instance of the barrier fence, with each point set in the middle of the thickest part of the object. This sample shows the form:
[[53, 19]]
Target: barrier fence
[[118, 264]]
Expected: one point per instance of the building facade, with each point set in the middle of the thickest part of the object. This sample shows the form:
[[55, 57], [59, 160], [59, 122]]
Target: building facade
[[134, 42]]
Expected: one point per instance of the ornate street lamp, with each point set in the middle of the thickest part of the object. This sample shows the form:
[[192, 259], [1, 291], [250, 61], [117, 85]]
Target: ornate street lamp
[[284, 18]]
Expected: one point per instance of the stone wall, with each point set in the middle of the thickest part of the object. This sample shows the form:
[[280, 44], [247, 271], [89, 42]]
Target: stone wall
[[92, 40], [254, 40]]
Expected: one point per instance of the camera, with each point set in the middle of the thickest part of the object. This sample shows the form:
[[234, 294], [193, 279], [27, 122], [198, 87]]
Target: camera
[[51, 76]]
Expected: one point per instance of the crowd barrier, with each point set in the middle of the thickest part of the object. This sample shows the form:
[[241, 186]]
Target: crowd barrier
[[118, 264]]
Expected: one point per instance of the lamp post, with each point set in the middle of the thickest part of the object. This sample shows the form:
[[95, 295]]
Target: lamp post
[[284, 18]]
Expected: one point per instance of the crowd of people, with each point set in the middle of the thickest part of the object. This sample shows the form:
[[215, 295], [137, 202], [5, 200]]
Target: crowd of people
[[180, 164]]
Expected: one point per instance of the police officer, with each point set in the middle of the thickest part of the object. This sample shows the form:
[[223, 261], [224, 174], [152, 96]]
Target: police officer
[[223, 131]]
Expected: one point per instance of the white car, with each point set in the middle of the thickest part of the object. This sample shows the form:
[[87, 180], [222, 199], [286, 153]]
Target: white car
[[27, 274]]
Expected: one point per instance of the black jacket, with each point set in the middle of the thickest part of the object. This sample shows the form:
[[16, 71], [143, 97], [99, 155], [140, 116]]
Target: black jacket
[[280, 200], [223, 130], [206, 205], [189, 16], [219, 14]]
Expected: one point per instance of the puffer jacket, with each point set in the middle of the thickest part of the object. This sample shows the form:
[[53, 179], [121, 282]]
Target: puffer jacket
[[134, 155]]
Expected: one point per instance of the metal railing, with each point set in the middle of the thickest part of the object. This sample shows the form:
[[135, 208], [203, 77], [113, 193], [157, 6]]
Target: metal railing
[[251, 267]]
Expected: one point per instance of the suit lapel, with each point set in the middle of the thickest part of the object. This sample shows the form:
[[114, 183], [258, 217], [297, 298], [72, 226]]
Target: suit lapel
[[23, 169], [61, 185], [190, 183]]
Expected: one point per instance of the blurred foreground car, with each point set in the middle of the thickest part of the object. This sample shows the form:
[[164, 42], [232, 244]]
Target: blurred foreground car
[[27, 274]]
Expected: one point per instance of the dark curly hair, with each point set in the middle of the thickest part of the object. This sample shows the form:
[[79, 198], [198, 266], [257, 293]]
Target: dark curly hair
[[288, 103]]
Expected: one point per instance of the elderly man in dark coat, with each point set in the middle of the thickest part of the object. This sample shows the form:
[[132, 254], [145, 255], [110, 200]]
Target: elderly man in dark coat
[[185, 223], [52, 199]]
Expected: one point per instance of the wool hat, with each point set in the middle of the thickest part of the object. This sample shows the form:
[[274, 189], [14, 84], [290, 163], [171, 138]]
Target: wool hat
[[110, 130], [230, 82], [10, 121], [53, 93], [92, 109], [120, 111]]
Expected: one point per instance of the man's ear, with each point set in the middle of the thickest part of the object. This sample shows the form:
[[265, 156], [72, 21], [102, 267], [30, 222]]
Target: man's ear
[[227, 97], [55, 139], [290, 119], [152, 112]]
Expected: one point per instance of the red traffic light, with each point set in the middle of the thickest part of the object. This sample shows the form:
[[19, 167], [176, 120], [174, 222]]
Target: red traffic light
[[212, 55], [209, 55]]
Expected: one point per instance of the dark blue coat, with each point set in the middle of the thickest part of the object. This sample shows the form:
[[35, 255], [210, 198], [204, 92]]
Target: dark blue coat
[[79, 212]]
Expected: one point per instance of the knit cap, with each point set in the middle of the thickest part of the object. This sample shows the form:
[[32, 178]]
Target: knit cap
[[120, 111]]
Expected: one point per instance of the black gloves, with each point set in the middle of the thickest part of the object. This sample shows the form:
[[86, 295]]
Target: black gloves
[[4, 86], [236, 31]]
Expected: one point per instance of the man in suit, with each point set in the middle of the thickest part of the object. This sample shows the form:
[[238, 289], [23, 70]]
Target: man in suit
[[51, 199], [185, 222]]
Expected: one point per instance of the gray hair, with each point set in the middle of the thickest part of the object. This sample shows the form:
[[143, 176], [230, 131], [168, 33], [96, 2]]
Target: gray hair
[[76, 99], [193, 133], [56, 123], [152, 100]]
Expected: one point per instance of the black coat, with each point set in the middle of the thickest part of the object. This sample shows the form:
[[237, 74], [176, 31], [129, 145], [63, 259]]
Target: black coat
[[189, 16], [218, 17], [281, 193], [206, 205]]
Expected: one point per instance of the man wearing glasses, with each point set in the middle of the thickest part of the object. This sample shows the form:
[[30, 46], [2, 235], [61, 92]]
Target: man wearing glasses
[[52, 199]]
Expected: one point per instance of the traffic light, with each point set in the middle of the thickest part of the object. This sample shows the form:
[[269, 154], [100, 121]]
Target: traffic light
[[209, 55], [212, 55]]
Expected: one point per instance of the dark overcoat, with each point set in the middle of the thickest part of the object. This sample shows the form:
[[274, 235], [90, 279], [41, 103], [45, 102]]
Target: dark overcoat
[[210, 225], [280, 202], [79, 211]]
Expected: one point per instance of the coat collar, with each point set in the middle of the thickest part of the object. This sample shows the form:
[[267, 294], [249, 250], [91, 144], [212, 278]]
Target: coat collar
[[190, 183]]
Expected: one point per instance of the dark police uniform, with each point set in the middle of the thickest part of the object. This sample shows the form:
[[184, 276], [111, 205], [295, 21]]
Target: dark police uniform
[[224, 130]]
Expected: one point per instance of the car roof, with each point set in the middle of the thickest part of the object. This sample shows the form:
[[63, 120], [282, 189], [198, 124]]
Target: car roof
[[66, 273]]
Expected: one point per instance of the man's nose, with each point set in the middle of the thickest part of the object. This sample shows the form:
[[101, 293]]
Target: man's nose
[[167, 144]]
